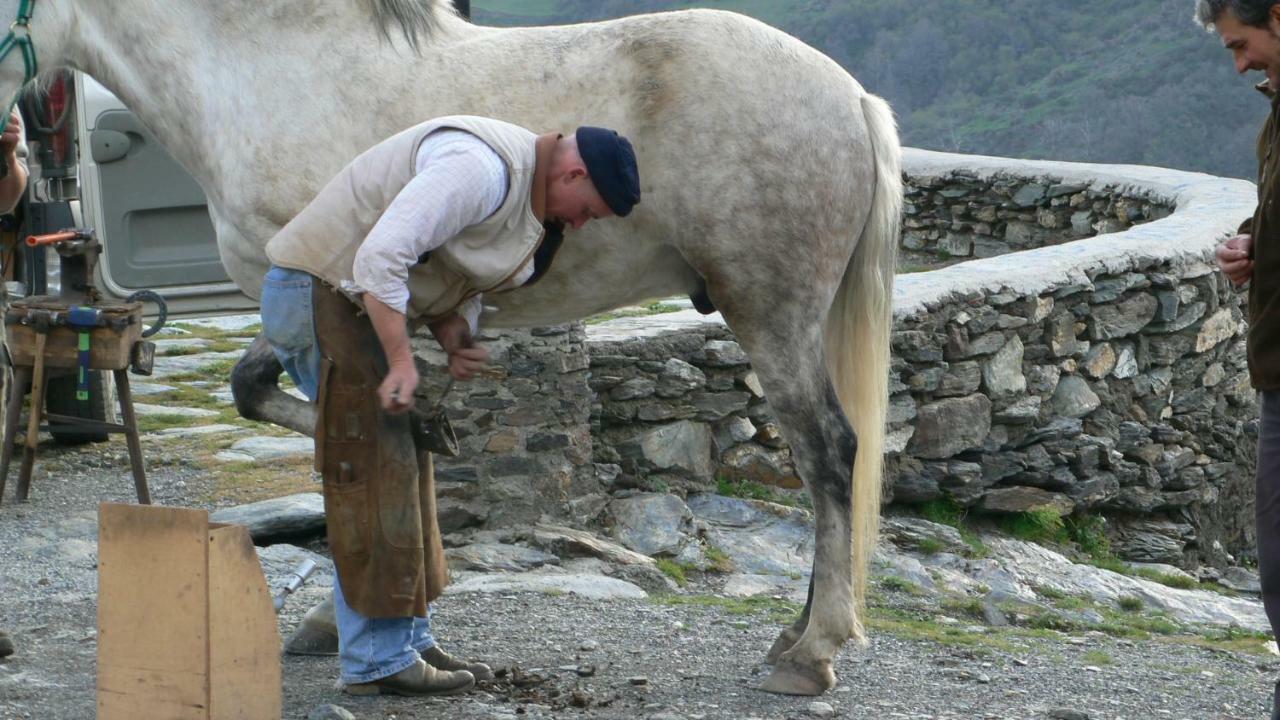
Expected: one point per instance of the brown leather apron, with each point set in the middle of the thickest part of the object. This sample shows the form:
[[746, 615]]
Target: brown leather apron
[[379, 486]]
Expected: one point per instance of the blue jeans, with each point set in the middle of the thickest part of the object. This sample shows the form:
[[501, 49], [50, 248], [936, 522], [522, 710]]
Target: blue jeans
[[368, 648]]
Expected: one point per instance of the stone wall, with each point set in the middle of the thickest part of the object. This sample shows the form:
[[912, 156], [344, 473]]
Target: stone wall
[[1103, 375], [523, 430], [958, 216]]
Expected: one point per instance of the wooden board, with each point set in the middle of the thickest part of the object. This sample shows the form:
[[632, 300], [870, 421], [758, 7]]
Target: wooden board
[[186, 629], [153, 611], [244, 644]]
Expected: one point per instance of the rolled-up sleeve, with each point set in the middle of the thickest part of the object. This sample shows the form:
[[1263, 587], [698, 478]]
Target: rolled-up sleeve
[[460, 181]]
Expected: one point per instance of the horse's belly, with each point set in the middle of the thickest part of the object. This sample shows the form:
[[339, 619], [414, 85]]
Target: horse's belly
[[573, 290]]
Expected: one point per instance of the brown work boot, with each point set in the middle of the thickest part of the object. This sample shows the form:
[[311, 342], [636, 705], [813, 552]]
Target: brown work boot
[[417, 679], [441, 660], [6, 645]]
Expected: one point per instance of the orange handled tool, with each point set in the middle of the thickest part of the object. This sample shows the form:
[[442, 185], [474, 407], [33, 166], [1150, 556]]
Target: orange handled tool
[[51, 238]]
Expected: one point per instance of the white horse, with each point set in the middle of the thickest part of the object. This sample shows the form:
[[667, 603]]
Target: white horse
[[770, 177]]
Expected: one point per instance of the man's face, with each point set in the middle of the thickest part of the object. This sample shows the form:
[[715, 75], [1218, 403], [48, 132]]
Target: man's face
[[572, 200], [1252, 48]]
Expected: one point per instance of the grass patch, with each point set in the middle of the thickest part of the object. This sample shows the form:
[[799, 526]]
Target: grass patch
[[908, 625], [751, 490], [211, 333], [1181, 582], [1131, 603], [1071, 602], [977, 548], [1115, 565], [1040, 525], [1232, 639], [187, 396], [929, 546], [1049, 592], [1090, 533], [943, 511], [651, 308], [219, 369], [920, 623], [1132, 625], [946, 511], [717, 560], [1127, 623], [249, 482], [781, 611], [659, 485], [1097, 657], [226, 346], [967, 607], [1052, 621], [673, 570], [897, 584], [153, 423], [1059, 599]]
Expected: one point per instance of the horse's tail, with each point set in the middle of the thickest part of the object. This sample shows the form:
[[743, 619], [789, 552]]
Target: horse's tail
[[858, 329]]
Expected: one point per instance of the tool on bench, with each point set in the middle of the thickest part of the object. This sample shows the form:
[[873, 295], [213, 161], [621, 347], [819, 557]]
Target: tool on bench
[[83, 319], [75, 331]]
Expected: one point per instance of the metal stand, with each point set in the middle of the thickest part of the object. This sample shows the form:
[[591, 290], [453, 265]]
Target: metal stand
[[74, 317], [39, 384]]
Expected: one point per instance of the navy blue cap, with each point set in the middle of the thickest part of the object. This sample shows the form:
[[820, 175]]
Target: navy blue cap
[[611, 162]]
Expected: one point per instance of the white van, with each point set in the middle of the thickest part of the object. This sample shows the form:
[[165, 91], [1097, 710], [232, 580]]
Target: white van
[[94, 165], [149, 214]]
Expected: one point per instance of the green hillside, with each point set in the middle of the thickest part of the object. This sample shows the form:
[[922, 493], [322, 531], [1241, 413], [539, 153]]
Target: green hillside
[[1087, 80]]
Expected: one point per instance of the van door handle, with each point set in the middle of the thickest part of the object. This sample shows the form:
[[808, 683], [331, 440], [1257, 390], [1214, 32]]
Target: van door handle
[[107, 146]]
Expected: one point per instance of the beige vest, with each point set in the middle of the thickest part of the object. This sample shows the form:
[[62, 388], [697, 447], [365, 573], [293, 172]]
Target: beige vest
[[324, 237]]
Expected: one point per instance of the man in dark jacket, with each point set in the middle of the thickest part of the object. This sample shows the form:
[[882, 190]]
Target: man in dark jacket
[[1250, 30]]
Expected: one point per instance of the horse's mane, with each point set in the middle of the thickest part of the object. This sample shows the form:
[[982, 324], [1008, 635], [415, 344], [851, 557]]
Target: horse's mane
[[417, 19]]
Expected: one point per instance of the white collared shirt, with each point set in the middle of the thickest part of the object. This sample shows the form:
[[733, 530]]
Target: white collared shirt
[[459, 181]]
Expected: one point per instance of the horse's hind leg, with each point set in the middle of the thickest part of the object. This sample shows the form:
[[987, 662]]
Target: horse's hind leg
[[785, 345], [823, 444], [255, 385]]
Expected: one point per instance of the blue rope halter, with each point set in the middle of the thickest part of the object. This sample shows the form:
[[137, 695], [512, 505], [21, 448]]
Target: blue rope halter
[[20, 37]]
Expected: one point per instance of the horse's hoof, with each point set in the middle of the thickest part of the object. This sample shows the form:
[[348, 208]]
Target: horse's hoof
[[793, 679], [309, 641], [785, 640], [317, 634]]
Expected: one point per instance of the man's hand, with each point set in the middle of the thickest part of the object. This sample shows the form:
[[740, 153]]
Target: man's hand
[[396, 390], [466, 359], [1233, 258], [9, 139]]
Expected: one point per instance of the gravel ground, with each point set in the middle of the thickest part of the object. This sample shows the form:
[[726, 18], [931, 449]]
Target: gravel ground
[[567, 657]]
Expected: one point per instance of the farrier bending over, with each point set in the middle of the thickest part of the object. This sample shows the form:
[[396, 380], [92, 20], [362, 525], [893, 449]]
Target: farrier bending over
[[414, 230]]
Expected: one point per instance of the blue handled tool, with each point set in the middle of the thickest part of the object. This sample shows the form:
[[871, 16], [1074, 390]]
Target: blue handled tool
[[84, 319]]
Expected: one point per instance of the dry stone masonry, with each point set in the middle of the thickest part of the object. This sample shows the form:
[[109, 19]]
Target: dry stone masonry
[[1087, 358], [960, 216]]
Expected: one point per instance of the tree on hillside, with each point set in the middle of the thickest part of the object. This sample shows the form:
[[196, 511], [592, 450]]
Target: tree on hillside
[[1086, 80]]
